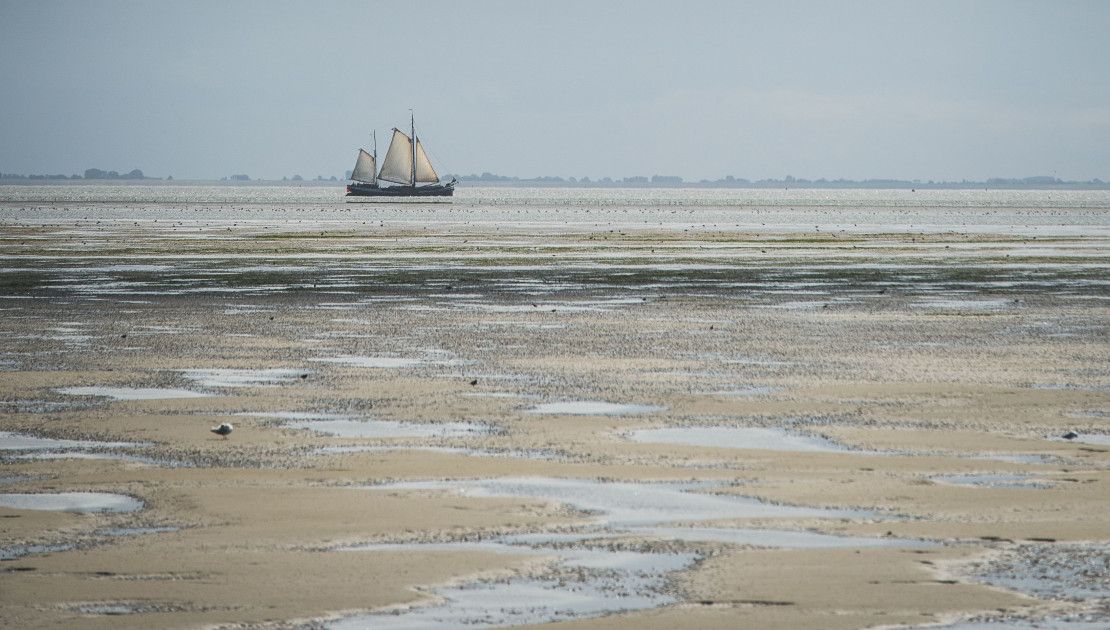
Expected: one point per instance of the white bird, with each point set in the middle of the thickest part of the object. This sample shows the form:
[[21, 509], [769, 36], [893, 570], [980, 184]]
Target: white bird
[[224, 429]]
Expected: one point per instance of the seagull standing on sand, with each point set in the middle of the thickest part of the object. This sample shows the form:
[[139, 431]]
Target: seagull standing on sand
[[224, 429]]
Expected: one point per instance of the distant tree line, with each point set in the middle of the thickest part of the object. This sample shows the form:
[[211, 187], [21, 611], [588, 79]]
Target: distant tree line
[[18, 176], [95, 173], [655, 181], [789, 181], [296, 178], [90, 173]]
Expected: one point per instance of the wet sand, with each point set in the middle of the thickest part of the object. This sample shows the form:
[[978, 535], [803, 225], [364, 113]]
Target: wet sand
[[909, 356]]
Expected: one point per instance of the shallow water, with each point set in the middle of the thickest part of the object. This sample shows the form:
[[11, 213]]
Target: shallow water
[[354, 427], [534, 454], [132, 393], [754, 390], [1016, 482], [20, 446], [767, 538], [777, 538], [10, 441], [1093, 438], [965, 304], [1015, 458], [625, 504], [590, 576], [1046, 623], [72, 502], [109, 609], [584, 581], [1032, 212], [123, 457], [1052, 571], [231, 378], [30, 405], [581, 583], [371, 362], [136, 531], [18, 551], [594, 408], [737, 437]]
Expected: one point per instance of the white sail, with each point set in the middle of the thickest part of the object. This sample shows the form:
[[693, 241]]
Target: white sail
[[397, 167], [365, 168], [424, 171]]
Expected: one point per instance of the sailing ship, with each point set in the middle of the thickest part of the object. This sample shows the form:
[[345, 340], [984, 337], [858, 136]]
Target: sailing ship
[[406, 164]]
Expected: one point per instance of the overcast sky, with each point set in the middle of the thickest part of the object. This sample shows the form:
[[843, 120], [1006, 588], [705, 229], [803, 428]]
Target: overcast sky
[[926, 90]]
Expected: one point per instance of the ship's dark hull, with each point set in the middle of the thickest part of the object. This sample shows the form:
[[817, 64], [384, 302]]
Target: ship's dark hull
[[434, 190]]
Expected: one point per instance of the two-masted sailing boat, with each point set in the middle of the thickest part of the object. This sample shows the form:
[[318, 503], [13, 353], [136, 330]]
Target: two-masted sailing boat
[[405, 164]]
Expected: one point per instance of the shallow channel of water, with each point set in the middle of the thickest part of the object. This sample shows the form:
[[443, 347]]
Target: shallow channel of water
[[627, 504], [71, 502], [132, 393], [593, 408], [231, 378], [600, 568], [338, 425], [737, 437]]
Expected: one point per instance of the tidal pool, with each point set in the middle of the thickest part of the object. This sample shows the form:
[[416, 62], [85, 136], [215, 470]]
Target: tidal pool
[[1092, 438], [1071, 577], [593, 408], [136, 531], [737, 437], [1011, 481], [1070, 572], [23, 446], [534, 454], [354, 427], [579, 583], [71, 502], [18, 551], [244, 377], [964, 304], [590, 573], [371, 362], [132, 393], [778, 538], [588, 576], [628, 504], [1010, 623], [753, 390], [10, 441]]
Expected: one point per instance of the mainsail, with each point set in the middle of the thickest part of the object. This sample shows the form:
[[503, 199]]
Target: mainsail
[[424, 170], [364, 168], [397, 167]]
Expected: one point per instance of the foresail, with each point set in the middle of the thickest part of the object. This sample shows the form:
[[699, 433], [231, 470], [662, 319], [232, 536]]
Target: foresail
[[424, 171], [397, 166], [365, 168]]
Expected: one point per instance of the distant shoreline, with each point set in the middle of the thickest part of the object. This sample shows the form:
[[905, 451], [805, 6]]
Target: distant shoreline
[[616, 185]]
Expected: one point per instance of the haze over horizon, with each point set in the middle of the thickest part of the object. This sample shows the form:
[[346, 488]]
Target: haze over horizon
[[943, 91]]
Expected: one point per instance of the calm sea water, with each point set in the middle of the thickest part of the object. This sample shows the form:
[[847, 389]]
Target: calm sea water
[[1069, 212], [276, 194]]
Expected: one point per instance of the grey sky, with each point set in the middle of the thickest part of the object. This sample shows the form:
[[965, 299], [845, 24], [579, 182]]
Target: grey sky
[[929, 90]]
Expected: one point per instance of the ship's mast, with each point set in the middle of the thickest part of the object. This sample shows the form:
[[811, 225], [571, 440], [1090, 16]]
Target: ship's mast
[[412, 128]]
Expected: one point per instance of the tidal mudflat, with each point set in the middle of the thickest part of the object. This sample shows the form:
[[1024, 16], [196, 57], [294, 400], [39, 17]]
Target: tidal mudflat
[[648, 409]]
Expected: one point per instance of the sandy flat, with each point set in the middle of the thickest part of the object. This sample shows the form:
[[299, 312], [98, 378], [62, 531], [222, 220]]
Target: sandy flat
[[249, 528]]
